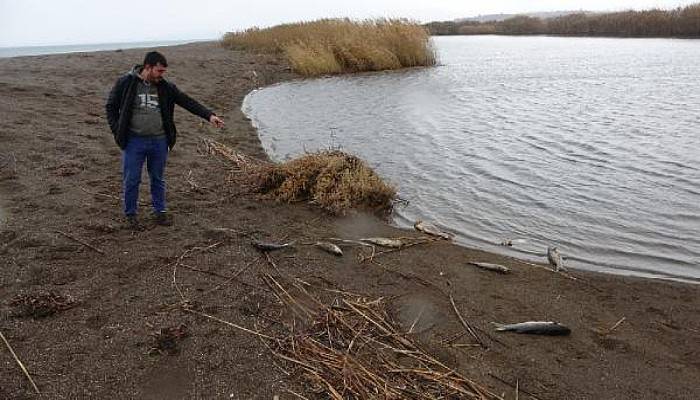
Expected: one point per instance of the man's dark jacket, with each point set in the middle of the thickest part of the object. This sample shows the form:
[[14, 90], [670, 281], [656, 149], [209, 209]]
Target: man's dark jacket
[[121, 99]]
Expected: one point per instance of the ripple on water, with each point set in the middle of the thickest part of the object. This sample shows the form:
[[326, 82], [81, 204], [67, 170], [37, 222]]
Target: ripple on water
[[587, 144]]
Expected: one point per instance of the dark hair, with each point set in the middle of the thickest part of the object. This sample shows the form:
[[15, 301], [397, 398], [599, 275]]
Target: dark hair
[[153, 58]]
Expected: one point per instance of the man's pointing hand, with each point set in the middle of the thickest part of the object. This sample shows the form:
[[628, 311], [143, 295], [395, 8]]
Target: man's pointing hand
[[216, 121]]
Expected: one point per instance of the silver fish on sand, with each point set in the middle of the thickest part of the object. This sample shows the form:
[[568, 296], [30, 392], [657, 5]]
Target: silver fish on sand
[[384, 242], [329, 248], [269, 246], [555, 259], [511, 242], [535, 328], [430, 229], [501, 269]]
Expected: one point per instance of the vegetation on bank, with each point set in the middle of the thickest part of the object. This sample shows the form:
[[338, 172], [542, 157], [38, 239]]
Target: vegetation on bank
[[334, 46], [333, 180], [679, 22]]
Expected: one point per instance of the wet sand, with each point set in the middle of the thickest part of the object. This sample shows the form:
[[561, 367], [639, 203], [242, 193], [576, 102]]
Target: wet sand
[[67, 179]]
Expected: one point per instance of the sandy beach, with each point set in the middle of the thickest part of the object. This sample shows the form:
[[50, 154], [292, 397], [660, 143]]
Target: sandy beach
[[63, 234]]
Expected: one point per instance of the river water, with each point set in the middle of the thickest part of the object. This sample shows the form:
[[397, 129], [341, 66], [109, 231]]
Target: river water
[[589, 144]]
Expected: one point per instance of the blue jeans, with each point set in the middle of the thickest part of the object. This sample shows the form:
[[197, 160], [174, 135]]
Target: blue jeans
[[155, 153]]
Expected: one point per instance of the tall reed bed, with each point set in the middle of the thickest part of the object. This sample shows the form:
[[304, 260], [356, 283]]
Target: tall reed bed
[[334, 46]]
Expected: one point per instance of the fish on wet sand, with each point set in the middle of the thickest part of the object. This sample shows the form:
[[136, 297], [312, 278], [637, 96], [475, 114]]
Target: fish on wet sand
[[501, 269], [269, 246], [329, 248], [384, 242], [555, 259], [511, 242], [535, 328], [430, 229]]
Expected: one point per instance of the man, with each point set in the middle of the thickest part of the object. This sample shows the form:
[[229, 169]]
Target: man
[[140, 112]]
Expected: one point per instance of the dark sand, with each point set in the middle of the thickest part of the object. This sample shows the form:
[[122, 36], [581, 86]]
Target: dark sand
[[67, 177]]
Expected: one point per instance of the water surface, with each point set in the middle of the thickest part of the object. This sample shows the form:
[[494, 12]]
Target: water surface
[[590, 144]]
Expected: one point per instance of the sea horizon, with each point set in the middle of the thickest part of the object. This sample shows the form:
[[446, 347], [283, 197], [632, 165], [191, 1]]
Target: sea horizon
[[36, 50]]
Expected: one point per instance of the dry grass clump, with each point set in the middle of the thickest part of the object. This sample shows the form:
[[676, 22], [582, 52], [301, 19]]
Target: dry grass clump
[[40, 305], [352, 349], [334, 180], [333, 46]]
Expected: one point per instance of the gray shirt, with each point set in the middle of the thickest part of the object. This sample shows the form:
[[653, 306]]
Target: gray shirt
[[146, 119]]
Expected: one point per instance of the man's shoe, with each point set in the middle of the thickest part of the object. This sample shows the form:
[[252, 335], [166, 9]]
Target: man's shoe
[[162, 219], [133, 223]]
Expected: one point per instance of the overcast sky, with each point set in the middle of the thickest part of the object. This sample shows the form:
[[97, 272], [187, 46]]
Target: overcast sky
[[52, 22]]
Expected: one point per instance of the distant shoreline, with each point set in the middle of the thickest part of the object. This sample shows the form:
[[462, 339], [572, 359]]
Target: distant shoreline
[[563, 35], [678, 22], [24, 51]]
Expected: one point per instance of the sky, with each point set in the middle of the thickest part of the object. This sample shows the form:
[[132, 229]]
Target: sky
[[60, 22]]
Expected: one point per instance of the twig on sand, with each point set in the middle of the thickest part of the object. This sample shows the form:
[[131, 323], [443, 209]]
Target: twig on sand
[[279, 291], [194, 186], [239, 160], [297, 395], [272, 263], [516, 386], [413, 325], [605, 332], [179, 261], [227, 277], [466, 325], [618, 323], [231, 324], [88, 245], [230, 230], [407, 245], [24, 369], [109, 196], [232, 277], [349, 241], [564, 274]]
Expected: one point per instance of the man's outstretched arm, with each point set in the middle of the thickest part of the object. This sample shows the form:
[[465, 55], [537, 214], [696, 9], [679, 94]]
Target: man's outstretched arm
[[195, 108]]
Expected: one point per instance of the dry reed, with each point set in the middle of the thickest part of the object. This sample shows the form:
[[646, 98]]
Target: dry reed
[[333, 46], [333, 180], [353, 350]]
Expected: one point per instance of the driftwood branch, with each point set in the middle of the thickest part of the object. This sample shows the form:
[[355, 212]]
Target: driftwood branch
[[231, 324], [515, 385], [24, 369], [109, 196], [466, 325], [88, 245]]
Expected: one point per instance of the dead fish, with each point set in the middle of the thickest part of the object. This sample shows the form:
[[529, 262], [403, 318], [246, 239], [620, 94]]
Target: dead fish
[[492, 267], [268, 246], [555, 259], [330, 248], [384, 242], [510, 242], [430, 229], [535, 328]]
